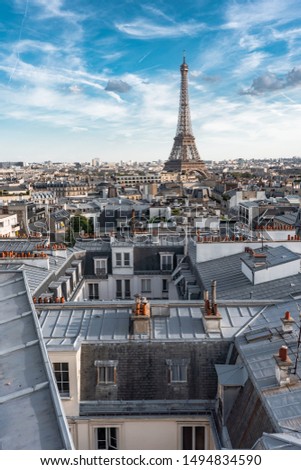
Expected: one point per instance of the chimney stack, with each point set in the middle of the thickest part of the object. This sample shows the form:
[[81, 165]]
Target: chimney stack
[[213, 293], [212, 317], [287, 323], [140, 319], [283, 366]]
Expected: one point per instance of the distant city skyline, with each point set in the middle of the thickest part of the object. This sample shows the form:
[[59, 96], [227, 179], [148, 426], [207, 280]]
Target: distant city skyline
[[84, 79]]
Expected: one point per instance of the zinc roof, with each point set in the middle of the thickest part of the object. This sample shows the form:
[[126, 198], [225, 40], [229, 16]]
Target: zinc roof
[[69, 325], [31, 416], [283, 403]]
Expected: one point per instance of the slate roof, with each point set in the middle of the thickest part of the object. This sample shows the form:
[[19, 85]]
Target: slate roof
[[274, 257], [20, 245], [35, 275], [72, 323], [231, 283], [31, 416], [277, 441], [282, 403]]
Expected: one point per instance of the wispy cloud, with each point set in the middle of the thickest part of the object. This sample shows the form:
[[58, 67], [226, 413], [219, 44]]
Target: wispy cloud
[[145, 29], [243, 15]]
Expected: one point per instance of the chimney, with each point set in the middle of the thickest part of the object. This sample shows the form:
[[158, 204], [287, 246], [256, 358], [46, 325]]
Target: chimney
[[213, 293], [287, 323], [212, 317], [140, 319], [283, 366]]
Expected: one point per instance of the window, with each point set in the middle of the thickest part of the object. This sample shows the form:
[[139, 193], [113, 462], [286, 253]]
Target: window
[[107, 438], [178, 373], [100, 267], [146, 285], [164, 285], [118, 259], [177, 370], [122, 259], [118, 289], [106, 372], [127, 288], [61, 373], [123, 289], [93, 291], [166, 262], [106, 375], [193, 437]]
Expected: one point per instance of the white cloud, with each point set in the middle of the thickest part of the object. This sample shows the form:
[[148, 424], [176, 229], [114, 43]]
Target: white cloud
[[145, 29], [243, 15], [249, 63]]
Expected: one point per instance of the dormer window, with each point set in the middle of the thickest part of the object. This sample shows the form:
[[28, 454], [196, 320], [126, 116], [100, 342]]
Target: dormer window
[[177, 370], [166, 262], [106, 372], [100, 267], [122, 259]]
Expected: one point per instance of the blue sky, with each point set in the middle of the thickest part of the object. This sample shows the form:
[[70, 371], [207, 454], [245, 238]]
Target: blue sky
[[91, 78]]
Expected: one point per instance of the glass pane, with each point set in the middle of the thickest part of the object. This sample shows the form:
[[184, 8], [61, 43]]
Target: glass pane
[[110, 374], [102, 374], [101, 438], [199, 437], [187, 438], [113, 439]]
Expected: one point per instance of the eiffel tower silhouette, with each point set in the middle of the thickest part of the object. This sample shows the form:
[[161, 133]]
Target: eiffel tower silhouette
[[184, 156]]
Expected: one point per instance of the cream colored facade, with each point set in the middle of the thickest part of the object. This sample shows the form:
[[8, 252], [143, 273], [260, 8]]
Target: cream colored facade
[[140, 433], [133, 433]]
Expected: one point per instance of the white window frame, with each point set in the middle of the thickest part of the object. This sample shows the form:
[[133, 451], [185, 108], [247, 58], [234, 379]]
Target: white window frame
[[100, 266], [193, 426], [166, 262], [123, 259], [166, 282], [106, 372], [123, 290], [109, 438], [94, 286], [146, 285], [127, 259], [62, 377], [177, 371], [118, 259]]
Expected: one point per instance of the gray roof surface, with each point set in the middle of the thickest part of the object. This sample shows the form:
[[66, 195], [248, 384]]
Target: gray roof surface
[[20, 245], [277, 441], [288, 219], [231, 374], [30, 411], [35, 275], [283, 403], [72, 323], [93, 245], [274, 257], [231, 283]]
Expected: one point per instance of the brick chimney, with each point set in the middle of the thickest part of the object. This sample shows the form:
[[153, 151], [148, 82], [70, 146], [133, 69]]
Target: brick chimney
[[140, 319], [212, 318], [283, 366], [287, 322]]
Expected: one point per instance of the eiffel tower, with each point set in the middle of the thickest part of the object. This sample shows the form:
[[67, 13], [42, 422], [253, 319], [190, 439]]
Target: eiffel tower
[[184, 157]]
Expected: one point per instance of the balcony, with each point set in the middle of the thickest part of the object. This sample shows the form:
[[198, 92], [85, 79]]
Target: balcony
[[166, 267], [101, 273]]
